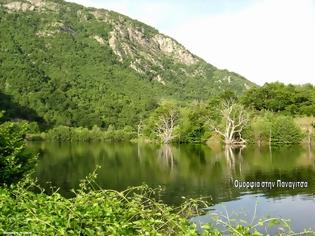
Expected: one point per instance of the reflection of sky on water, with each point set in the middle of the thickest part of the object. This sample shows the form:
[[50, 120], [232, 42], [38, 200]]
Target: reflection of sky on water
[[300, 209]]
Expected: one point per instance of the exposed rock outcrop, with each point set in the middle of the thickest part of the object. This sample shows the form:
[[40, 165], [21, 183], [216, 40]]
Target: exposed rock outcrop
[[99, 39], [31, 5], [172, 48]]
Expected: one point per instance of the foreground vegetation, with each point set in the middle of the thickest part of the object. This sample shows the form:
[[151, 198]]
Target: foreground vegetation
[[15, 159], [103, 212], [135, 211]]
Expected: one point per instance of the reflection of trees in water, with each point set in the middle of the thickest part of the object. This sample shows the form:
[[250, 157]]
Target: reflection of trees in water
[[139, 152], [166, 156], [230, 157], [310, 152], [194, 170], [233, 157], [195, 160]]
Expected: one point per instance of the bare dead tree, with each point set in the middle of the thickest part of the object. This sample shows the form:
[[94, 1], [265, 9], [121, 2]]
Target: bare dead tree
[[140, 128], [165, 126], [234, 119]]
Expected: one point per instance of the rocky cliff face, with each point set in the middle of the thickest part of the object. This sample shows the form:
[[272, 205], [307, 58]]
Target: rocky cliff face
[[145, 52], [30, 5]]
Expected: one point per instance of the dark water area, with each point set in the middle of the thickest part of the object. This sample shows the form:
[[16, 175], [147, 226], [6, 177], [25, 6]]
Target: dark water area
[[192, 171]]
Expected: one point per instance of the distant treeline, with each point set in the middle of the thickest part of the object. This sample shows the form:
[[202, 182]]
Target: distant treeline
[[277, 97], [277, 114]]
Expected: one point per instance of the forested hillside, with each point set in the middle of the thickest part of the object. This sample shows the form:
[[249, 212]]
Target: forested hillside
[[78, 66]]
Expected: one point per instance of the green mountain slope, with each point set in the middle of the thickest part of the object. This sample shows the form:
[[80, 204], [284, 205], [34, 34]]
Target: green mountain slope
[[82, 66]]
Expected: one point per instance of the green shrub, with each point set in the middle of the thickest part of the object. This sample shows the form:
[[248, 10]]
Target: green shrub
[[96, 134], [285, 131], [15, 159], [91, 212], [192, 128], [259, 129], [279, 129]]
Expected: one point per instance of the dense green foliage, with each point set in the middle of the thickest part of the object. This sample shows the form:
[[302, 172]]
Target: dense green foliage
[[189, 121], [277, 104], [195, 122], [53, 66], [104, 212], [15, 159], [285, 131], [274, 129], [69, 134], [277, 97], [192, 125], [66, 80]]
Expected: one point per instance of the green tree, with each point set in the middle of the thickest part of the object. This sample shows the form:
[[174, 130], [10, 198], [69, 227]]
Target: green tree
[[192, 121], [260, 128], [285, 131]]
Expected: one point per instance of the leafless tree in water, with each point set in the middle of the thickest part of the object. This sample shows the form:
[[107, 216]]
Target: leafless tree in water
[[234, 120], [165, 126]]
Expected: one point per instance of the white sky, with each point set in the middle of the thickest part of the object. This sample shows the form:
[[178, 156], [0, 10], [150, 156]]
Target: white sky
[[263, 40]]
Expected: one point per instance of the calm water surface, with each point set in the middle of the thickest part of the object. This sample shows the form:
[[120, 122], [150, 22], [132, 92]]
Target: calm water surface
[[191, 171]]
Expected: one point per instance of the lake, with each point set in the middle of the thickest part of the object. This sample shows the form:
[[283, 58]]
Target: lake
[[193, 171]]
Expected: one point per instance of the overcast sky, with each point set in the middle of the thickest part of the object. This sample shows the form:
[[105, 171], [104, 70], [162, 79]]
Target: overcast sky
[[263, 40]]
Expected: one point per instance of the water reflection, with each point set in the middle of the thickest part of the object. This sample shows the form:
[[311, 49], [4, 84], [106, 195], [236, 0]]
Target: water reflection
[[234, 159], [191, 171], [251, 208], [185, 170], [166, 156]]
